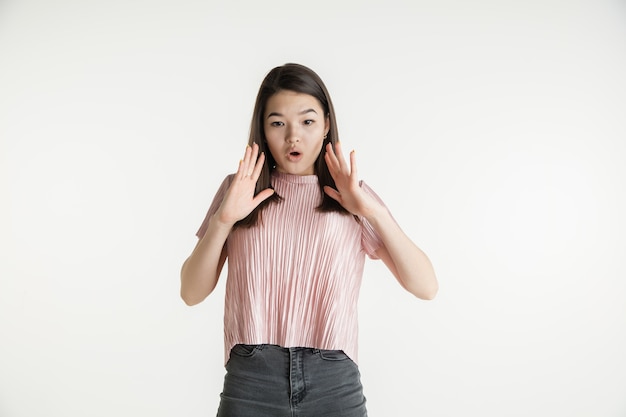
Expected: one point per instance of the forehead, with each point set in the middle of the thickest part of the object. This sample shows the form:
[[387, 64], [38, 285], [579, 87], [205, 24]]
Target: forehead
[[287, 101]]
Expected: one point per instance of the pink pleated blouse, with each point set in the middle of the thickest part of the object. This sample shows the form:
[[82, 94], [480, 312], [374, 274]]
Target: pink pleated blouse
[[294, 278]]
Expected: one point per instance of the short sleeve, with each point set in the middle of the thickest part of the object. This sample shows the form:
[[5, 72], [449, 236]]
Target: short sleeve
[[217, 200], [371, 240]]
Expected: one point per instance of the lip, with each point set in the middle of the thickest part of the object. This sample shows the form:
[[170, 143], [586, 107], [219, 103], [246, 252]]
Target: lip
[[291, 157]]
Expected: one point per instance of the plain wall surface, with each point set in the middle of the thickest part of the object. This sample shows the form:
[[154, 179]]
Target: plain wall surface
[[494, 130]]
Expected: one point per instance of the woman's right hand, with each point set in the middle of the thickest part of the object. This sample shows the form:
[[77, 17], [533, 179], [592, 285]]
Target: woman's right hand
[[240, 200]]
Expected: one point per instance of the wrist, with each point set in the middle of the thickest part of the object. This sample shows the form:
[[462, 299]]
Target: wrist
[[220, 223], [376, 214]]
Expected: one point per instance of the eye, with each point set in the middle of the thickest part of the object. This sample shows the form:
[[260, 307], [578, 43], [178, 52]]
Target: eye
[[309, 122], [277, 124]]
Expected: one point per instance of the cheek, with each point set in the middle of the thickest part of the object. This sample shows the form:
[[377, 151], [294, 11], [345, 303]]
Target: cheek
[[317, 149], [273, 136], [319, 141]]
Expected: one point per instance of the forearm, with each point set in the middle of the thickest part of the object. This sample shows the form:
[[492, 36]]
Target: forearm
[[410, 265], [200, 272]]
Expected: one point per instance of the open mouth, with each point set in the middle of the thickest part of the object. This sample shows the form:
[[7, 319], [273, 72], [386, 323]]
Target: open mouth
[[294, 156]]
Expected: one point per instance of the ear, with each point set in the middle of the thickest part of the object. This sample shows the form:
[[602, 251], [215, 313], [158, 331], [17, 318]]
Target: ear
[[326, 124]]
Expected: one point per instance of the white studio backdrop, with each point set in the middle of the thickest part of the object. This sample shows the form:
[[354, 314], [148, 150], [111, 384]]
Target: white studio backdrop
[[494, 130]]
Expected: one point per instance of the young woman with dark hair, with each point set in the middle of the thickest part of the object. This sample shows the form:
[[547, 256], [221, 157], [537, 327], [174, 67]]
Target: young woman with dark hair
[[295, 224]]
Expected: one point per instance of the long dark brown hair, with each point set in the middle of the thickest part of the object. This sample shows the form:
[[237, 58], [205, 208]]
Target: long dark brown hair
[[300, 79]]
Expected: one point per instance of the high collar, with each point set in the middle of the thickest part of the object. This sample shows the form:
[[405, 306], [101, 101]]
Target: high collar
[[295, 179]]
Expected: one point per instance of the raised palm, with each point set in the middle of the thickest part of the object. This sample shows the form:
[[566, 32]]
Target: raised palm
[[240, 200]]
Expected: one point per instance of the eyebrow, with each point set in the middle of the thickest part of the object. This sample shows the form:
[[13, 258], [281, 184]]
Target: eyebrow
[[301, 113]]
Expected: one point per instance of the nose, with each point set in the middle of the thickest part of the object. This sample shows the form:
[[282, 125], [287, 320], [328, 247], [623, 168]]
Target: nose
[[292, 135]]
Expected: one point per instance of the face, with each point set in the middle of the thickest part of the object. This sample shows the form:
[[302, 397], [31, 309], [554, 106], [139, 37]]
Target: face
[[295, 126]]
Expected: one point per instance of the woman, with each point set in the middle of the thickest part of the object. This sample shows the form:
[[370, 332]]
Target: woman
[[295, 224]]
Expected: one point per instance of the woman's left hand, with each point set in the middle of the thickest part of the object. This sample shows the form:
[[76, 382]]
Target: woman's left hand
[[404, 259], [348, 192]]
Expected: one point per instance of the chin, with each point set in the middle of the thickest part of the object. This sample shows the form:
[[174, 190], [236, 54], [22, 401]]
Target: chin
[[296, 171]]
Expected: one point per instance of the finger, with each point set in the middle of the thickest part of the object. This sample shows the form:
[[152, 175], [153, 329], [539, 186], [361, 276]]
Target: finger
[[353, 171], [249, 161], [258, 166], [243, 163], [254, 151], [339, 153], [239, 173], [252, 163], [331, 159]]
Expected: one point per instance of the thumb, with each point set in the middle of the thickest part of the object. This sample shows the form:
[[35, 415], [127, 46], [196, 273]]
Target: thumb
[[262, 196], [334, 194]]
